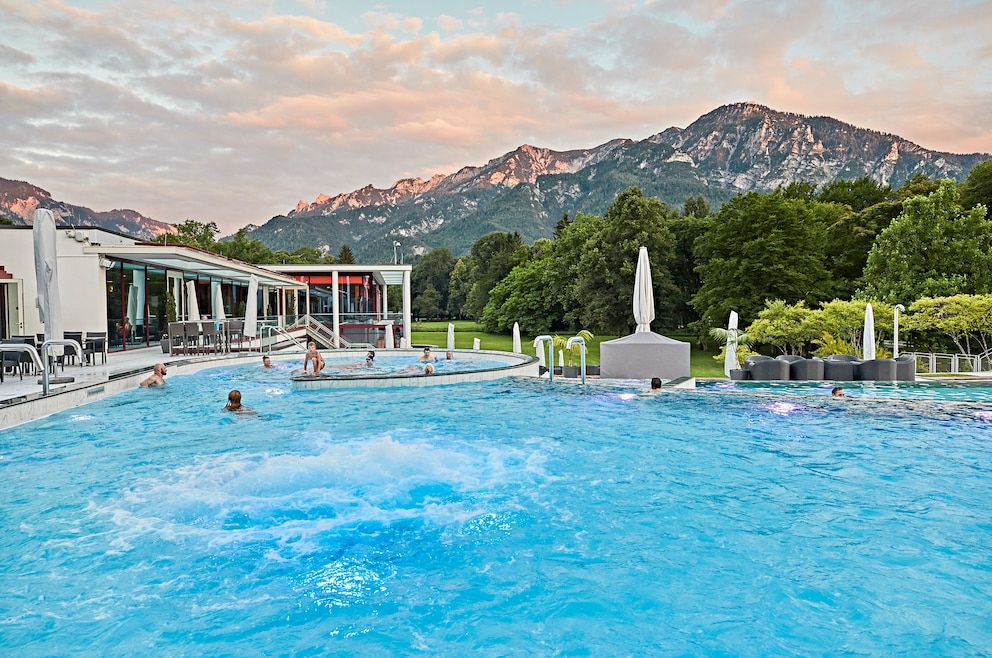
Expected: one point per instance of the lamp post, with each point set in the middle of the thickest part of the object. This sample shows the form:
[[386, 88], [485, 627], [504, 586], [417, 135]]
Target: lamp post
[[395, 245], [895, 330]]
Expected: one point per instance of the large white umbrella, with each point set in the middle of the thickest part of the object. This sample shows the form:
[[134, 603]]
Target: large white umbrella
[[47, 276], [251, 310], [389, 341], [730, 357], [869, 337], [539, 350], [217, 301], [192, 306], [643, 293], [516, 338], [451, 336]]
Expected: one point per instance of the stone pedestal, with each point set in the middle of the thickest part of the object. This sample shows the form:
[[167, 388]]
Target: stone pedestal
[[642, 356]]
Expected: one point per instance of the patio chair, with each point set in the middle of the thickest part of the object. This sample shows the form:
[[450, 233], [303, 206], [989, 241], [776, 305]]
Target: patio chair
[[191, 331], [68, 351], [235, 328], [211, 338], [96, 343], [177, 338]]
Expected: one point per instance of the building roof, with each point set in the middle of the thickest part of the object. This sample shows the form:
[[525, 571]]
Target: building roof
[[385, 274]]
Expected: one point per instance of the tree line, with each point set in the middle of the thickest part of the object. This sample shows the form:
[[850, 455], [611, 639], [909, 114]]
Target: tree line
[[799, 244]]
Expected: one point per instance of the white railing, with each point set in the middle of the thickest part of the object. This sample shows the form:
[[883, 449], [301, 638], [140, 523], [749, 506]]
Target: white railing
[[938, 363]]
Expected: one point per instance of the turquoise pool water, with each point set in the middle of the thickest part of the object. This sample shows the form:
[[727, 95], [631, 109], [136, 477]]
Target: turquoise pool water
[[947, 390], [506, 518], [387, 365]]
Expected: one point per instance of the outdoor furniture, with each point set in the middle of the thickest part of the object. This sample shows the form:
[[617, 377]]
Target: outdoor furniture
[[877, 370], [765, 368], [68, 351], [211, 338], [191, 331], [906, 368], [177, 338], [802, 369], [841, 368], [235, 328], [96, 343], [11, 360]]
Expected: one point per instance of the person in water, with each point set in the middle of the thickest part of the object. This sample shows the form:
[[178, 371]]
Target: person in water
[[370, 358], [837, 392], [313, 355], [656, 383], [234, 401], [157, 378], [426, 356], [429, 369], [449, 355], [266, 362]]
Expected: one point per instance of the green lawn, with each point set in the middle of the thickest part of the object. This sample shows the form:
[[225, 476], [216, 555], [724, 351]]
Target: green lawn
[[701, 364]]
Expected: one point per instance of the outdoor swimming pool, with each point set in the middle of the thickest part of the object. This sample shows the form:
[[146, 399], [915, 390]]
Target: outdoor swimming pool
[[386, 365], [506, 517]]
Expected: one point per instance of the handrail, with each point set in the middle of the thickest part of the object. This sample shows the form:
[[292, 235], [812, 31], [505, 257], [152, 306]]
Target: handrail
[[581, 342], [283, 332], [326, 332], [44, 351], [551, 354], [24, 347]]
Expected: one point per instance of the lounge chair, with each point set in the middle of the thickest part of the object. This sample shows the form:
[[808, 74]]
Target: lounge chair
[[765, 368], [841, 368], [877, 370], [906, 368], [802, 369]]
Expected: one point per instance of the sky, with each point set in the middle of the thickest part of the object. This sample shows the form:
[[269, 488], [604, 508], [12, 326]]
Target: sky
[[232, 111]]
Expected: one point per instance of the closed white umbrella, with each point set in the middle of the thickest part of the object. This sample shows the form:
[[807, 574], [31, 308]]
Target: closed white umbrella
[[730, 356], [132, 310], [390, 341], [476, 344], [516, 338], [869, 337], [47, 276], [451, 336], [539, 350], [217, 301], [192, 306], [251, 310], [643, 293]]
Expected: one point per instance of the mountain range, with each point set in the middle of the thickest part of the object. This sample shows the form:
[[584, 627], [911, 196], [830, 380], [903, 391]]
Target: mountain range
[[735, 148], [19, 200]]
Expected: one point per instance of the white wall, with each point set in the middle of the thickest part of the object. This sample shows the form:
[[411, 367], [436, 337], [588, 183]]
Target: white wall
[[82, 282]]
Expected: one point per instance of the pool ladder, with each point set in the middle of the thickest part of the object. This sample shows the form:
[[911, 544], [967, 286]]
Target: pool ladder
[[574, 340]]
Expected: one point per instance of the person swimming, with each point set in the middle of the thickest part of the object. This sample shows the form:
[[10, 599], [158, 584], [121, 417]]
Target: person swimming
[[370, 358], [426, 356]]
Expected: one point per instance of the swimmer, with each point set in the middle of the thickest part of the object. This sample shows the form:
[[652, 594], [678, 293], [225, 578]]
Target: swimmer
[[655, 383], [449, 355], [426, 356], [313, 355], [234, 401], [370, 358], [157, 378], [837, 392], [429, 369], [266, 362]]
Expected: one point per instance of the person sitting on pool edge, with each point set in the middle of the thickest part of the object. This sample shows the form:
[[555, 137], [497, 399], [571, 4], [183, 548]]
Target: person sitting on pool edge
[[838, 392], [157, 378], [426, 356], [313, 355], [266, 362]]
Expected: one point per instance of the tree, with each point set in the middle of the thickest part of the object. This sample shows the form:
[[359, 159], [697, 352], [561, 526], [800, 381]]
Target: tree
[[561, 225], [428, 303], [580, 235], [787, 327], [856, 194], [760, 247], [345, 256], [695, 206], [800, 190], [932, 249], [965, 319], [977, 189], [459, 286], [434, 270], [918, 185], [308, 255], [492, 259], [849, 238], [4, 221], [523, 297], [193, 234], [687, 281], [606, 270], [245, 248]]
